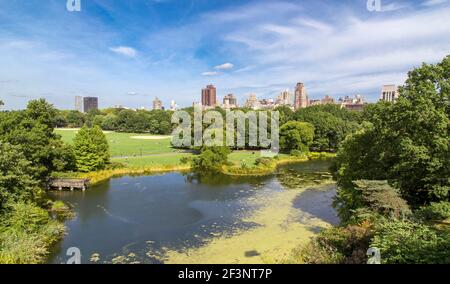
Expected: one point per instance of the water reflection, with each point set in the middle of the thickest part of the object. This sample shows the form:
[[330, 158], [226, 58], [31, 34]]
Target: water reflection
[[177, 210]]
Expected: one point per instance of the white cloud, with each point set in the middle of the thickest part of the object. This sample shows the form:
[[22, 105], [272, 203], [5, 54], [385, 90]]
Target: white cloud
[[434, 2], [124, 50], [224, 66], [394, 7], [210, 73]]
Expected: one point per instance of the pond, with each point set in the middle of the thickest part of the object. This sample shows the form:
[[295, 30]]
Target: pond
[[190, 218]]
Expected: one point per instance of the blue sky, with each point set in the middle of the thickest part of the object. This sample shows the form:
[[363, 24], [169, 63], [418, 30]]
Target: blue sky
[[128, 52]]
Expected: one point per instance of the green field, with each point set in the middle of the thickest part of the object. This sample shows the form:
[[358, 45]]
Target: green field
[[247, 157], [139, 153], [156, 160], [122, 145]]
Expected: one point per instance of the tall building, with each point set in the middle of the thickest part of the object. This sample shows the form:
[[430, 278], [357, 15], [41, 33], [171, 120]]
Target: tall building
[[209, 96], [389, 93], [252, 102], [79, 103], [356, 103], [327, 100], [229, 101], [90, 103], [173, 105], [301, 96], [285, 96], [157, 103]]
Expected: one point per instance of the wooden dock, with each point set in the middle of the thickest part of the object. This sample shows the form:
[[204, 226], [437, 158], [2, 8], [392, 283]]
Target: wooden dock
[[68, 183]]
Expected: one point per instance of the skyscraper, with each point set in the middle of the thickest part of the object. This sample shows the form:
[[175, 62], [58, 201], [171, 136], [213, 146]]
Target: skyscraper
[[389, 93], [157, 103], [229, 101], [301, 96], [79, 103], [173, 105], [209, 96], [285, 96], [90, 103]]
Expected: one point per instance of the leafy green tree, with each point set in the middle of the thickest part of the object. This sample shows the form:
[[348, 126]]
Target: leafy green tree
[[406, 242], [331, 124], [211, 158], [16, 180], [296, 135], [109, 122], [407, 142], [32, 131], [75, 118], [91, 149]]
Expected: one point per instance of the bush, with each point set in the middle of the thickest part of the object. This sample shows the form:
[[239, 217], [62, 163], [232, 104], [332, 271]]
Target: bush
[[436, 211], [402, 242], [211, 158], [26, 232], [264, 161], [339, 245]]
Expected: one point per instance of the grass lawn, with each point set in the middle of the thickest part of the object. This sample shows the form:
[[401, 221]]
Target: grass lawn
[[248, 157], [122, 145], [169, 159]]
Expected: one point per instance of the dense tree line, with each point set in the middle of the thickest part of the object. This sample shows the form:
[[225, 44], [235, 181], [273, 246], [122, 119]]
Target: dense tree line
[[122, 120]]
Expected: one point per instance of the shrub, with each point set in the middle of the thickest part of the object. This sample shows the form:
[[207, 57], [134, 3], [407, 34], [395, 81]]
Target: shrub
[[26, 232], [339, 245], [402, 241], [436, 211], [264, 161]]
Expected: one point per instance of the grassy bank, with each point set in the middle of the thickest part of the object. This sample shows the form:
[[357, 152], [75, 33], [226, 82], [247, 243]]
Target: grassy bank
[[27, 232], [243, 163], [270, 165]]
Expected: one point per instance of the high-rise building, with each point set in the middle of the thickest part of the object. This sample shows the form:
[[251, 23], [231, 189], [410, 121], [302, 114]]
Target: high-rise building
[[229, 101], [327, 100], [285, 98], [79, 103], [157, 103], [389, 93], [209, 96], [301, 96], [173, 105], [252, 102], [90, 103]]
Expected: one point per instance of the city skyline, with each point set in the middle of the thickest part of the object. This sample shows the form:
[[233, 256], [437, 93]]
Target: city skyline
[[117, 52]]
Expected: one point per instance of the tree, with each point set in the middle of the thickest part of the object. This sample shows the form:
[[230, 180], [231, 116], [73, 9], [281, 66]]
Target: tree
[[331, 124], [91, 149], [32, 130], [16, 180], [211, 158], [296, 135], [406, 143]]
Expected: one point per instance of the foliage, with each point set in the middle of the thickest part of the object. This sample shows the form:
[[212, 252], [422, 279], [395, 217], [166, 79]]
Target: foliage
[[16, 181], [436, 211], [296, 135], [407, 142], [264, 161], [211, 158], [331, 124], [339, 245], [25, 233], [31, 130], [91, 149], [402, 241]]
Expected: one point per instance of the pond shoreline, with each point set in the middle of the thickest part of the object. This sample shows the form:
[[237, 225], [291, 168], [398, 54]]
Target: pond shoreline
[[104, 175]]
